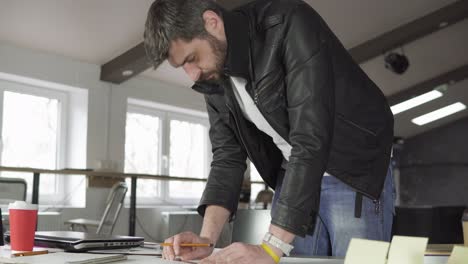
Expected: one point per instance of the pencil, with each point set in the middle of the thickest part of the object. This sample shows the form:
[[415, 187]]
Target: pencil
[[187, 245], [30, 253]]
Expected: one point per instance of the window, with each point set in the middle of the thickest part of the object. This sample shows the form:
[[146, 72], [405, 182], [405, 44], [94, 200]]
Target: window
[[33, 126], [255, 188], [31, 133], [170, 141], [143, 149], [188, 155]]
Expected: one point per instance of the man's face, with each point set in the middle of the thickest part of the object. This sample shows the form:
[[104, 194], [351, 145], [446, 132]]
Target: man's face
[[202, 58]]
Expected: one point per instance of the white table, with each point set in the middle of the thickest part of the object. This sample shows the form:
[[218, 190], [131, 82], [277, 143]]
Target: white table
[[132, 259], [151, 260]]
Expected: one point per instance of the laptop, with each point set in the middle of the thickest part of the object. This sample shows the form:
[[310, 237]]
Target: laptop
[[80, 241]]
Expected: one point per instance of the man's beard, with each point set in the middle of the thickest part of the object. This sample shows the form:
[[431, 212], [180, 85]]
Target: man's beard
[[219, 50]]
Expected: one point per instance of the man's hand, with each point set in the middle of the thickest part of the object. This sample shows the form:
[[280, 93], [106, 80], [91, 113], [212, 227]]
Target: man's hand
[[240, 253], [186, 253]]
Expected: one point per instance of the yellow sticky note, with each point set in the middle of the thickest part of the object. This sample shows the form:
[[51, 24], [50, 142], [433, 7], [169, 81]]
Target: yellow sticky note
[[362, 251], [407, 250], [459, 255]]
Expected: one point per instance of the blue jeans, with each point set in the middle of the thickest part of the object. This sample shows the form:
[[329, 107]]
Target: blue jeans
[[336, 222]]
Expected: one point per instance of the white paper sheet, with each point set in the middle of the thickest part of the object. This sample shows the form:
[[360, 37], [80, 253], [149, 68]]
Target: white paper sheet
[[407, 250], [459, 255], [63, 258], [363, 251]]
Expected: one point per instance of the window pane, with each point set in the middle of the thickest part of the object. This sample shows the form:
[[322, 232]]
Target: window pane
[[142, 148], [254, 175], [30, 135], [187, 158]]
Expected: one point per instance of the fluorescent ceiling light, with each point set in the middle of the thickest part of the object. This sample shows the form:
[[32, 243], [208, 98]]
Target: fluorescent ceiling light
[[413, 102], [438, 114]]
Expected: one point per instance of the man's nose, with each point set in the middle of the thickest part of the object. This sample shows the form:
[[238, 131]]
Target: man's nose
[[192, 71]]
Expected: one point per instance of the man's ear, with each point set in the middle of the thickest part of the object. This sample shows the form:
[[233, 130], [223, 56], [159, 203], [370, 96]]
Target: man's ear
[[214, 24]]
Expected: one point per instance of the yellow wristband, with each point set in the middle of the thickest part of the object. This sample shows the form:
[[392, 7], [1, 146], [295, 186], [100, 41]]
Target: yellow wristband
[[270, 252]]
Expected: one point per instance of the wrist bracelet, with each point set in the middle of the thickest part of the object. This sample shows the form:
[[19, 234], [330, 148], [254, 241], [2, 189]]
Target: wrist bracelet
[[270, 252]]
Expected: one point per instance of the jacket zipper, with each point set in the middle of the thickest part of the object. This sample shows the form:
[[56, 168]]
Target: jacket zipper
[[256, 97], [257, 92], [238, 131], [376, 202], [357, 126], [377, 206]]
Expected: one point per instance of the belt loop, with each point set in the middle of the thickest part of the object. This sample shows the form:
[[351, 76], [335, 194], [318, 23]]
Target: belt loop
[[358, 205]]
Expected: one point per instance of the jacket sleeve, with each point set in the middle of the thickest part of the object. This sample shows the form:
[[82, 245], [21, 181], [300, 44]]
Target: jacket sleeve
[[228, 165], [310, 97]]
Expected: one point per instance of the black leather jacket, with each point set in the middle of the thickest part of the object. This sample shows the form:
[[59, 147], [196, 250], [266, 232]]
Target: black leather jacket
[[313, 94]]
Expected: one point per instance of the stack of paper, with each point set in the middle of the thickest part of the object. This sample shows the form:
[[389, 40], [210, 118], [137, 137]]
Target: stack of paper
[[67, 258]]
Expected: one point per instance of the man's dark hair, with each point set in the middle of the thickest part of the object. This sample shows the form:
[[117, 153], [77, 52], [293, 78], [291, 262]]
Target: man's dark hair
[[170, 20]]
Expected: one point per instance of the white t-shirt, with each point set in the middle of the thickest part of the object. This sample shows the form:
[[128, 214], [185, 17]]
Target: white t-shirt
[[251, 112]]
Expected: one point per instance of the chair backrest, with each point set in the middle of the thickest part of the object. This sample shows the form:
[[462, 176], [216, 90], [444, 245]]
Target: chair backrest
[[114, 204], [264, 198], [12, 189]]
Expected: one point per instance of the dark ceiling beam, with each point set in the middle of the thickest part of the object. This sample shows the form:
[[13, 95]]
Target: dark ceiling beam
[[411, 31], [134, 61], [125, 66], [448, 78]]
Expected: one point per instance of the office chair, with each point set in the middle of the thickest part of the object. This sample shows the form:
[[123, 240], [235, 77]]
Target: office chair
[[264, 197], [12, 189], [114, 204]]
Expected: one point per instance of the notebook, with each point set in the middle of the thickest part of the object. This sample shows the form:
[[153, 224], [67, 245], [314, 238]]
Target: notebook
[[80, 241]]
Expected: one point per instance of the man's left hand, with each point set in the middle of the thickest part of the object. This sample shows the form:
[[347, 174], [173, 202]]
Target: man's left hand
[[240, 253]]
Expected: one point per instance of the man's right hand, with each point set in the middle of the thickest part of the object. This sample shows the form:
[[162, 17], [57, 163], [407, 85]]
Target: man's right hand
[[186, 253]]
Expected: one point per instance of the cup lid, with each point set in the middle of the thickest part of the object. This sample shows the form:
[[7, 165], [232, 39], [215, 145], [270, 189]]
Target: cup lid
[[22, 205]]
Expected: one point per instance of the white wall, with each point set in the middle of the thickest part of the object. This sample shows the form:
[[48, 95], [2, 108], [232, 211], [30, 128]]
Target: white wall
[[106, 116]]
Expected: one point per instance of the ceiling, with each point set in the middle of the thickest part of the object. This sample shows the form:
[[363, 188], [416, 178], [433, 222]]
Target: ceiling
[[98, 31]]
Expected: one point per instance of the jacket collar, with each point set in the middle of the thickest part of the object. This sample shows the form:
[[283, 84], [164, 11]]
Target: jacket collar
[[236, 27]]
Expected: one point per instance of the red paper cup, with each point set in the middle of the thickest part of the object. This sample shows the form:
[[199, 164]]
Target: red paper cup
[[22, 228]]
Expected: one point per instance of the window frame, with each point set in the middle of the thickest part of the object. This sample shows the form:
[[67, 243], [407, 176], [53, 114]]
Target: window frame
[[138, 109], [166, 113], [207, 152], [61, 144]]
